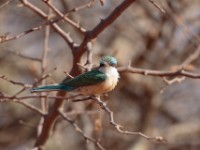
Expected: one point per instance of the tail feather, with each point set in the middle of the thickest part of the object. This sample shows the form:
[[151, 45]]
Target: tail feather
[[48, 88]]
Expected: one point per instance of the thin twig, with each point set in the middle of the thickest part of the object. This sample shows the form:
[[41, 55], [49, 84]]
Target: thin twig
[[68, 75], [119, 127], [44, 101], [20, 91], [88, 62], [159, 73], [158, 6], [5, 3], [51, 22], [194, 56], [40, 80], [31, 107], [4, 98], [64, 16], [24, 56], [78, 129], [169, 82], [104, 23], [178, 22], [14, 82]]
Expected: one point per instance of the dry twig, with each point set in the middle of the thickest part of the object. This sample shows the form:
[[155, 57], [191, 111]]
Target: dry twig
[[119, 127], [78, 129]]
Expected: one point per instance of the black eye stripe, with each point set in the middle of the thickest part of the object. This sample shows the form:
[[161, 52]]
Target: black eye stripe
[[106, 63], [101, 64]]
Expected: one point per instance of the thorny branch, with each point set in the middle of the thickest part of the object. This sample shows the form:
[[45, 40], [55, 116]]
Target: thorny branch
[[14, 82], [104, 24], [76, 25], [18, 100], [78, 129], [42, 14], [50, 22], [177, 21], [77, 53], [119, 127], [180, 71], [146, 72]]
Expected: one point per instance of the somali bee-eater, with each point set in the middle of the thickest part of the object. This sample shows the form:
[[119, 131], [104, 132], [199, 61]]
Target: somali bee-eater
[[97, 81]]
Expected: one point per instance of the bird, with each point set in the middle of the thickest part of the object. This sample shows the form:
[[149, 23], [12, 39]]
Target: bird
[[99, 80]]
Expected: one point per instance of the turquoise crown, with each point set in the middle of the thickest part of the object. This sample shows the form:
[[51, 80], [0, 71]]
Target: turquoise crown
[[109, 59]]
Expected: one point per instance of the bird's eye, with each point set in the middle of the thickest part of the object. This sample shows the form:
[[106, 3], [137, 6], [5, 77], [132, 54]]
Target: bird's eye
[[112, 64], [102, 64]]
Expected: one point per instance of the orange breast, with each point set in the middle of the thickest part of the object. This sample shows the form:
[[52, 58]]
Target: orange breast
[[100, 88]]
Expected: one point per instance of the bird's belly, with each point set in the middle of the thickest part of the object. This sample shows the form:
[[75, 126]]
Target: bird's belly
[[99, 88]]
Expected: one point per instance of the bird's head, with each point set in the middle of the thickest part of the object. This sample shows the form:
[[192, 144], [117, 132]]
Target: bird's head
[[107, 66], [107, 61]]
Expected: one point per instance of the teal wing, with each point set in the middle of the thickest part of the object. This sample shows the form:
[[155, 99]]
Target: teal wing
[[89, 78]]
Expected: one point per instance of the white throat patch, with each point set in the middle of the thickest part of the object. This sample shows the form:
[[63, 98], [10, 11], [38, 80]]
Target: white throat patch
[[110, 71]]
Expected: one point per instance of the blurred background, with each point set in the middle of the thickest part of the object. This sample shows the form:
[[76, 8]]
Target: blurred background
[[143, 35]]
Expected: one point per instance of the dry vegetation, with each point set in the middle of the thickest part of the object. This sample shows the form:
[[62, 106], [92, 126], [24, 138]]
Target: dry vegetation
[[156, 104]]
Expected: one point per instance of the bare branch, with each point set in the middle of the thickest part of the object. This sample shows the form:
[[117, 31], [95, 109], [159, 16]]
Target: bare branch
[[104, 24], [76, 25], [191, 58], [18, 100], [43, 78], [68, 75], [61, 32], [146, 72], [119, 127], [78, 129], [14, 82], [5, 3], [157, 6], [31, 107], [24, 56], [178, 21], [169, 82]]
